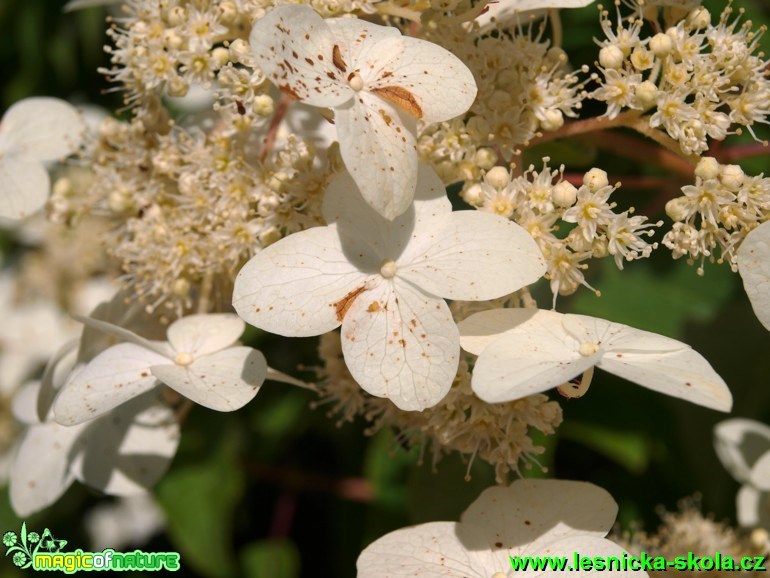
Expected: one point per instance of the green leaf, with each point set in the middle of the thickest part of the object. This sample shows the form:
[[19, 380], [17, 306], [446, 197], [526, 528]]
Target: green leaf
[[386, 466], [200, 501], [271, 559], [629, 449], [662, 302]]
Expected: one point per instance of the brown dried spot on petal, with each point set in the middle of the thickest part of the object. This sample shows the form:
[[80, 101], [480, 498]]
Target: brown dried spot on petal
[[401, 97], [337, 59], [374, 306], [341, 307], [288, 90]]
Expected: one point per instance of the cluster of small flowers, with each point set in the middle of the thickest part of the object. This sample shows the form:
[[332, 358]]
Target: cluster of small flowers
[[498, 434], [543, 202], [689, 530], [525, 85], [697, 79], [170, 46], [189, 205], [718, 211]]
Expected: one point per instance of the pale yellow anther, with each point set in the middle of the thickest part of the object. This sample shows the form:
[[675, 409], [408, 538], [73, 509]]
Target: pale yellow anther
[[184, 359], [388, 269], [588, 348]]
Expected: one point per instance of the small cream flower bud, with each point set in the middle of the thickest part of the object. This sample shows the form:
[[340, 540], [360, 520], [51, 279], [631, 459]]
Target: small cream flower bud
[[63, 187], [708, 168], [600, 249], [596, 179], [661, 44], [269, 236], [642, 58], [553, 119], [172, 40], [228, 12], [118, 201], [473, 195], [177, 86], [181, 287], [699, 18], [263, 105], [220, 56], [498, 178], [176, 16], [732, 176], [485, 158], [564, 194], [677, 209], [611, 57], [238, 49], [646, 94]]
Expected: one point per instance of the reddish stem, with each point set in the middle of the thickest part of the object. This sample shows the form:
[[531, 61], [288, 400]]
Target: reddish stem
[[740, 152], [275, 122]]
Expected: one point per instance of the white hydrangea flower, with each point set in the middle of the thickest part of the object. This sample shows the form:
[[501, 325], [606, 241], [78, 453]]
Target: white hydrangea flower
[[383, 281], [123, 453], [753, 258], [528, 518], [743, 446], [128, 521], [201, 360], [527, 351], [32, 132], [369, 75]]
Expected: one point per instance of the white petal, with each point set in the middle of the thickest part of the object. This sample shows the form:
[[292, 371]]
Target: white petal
[[361, 226], [24, 403], [753, 507], [223, 381], [760, 473], [430, 550], [754, 267], [535, 355], [41, 470], [358, 39], [127, 451], [401, 344], [379, 151], [295, 48], [479, 330], [617, 337], [684, 374], [24, 187], [587, 547], [57, 370], [113, 377], [203, 334], [505, 11], [473, 256], [531, 514], [41, 128], [124, 334], [299, 286], [428, 79], [739, 443]]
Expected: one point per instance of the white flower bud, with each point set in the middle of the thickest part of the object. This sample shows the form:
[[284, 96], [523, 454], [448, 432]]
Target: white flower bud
[[172, 40], [269, 236], [661, 44], [732, 176], [220, 56], [263, 105], [708, 168], [181, 287], [118, 201], [63, 187], [473, 195], [611, 57], [599, 248], [699, 18], [646, 94], [176, 16], [485, 158], [577, 242], [553, 119], [596, 179], [677, 209], [239, 49], [228, 12], [564, 194], [498, 178]]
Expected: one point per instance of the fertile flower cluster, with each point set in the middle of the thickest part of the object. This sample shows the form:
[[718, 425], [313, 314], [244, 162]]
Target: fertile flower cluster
[[715, 214], [546, 205], [697, 80]]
